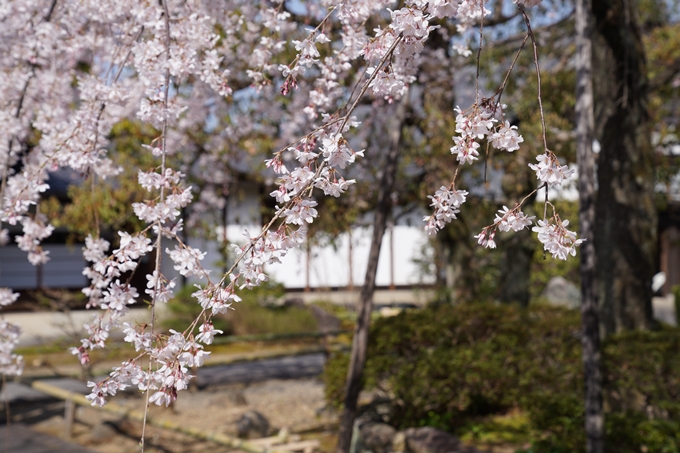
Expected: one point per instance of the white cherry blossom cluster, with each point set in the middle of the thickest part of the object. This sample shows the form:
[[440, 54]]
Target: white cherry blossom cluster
[[512, 219], [106, 290], [174, 65], [10, 364], [486, 238], [45, 92], [269, 247], [479, 123], [485, 121], [266, 249], [20, 193], [506, 138], [446, 203], [472, 126], [506, 219], [158, 287], [307, 57], [7, 297], [472, 10], [556, 239], [552, 233], [549, 171], [215, 298], [187, 261], [34, 232], [109, 293], [175, 355]]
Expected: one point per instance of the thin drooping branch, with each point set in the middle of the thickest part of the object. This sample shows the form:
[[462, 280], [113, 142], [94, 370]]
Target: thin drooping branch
[[159, 235], [538, 78]]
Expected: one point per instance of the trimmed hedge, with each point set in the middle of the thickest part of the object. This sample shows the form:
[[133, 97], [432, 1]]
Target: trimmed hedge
[[447, 365]]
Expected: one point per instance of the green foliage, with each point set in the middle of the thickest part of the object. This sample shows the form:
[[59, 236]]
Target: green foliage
[[511, 428], [334, 377], [96, 203], [254, 315], [459, 367], [347, 317], [251, 317], [676, 295]]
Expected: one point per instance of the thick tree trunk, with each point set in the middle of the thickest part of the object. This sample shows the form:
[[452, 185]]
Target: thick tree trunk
[[360, 340], [594, 414], [518, 250], [460, 273], [625, 216]]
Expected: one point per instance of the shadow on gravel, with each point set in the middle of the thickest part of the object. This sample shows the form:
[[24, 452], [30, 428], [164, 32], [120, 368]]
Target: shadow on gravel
[[294, 367]]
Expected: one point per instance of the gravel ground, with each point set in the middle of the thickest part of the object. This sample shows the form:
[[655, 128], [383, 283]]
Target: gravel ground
[[294, 404]]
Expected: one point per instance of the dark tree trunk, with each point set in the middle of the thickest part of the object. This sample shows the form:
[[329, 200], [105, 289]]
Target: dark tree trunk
[[461, 273], [625, 216], [360, 340], [518, 250], [594, 414]]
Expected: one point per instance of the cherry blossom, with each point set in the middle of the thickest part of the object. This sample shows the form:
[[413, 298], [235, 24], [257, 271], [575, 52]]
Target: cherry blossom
[[512, 219], [10, 364], [486, 238], [7, 297], [549, 171], [178, 66], [446, 203], [556, 239], [208, 332], [187, 261], [506, 138]]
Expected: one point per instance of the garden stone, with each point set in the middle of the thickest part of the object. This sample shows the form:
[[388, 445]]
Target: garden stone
[[103, 432], [562, 292], [433, 440], [252, 425], [377, 437], [399, 443]]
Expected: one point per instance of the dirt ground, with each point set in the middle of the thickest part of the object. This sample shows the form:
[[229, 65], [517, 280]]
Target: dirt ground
[[297, 405]]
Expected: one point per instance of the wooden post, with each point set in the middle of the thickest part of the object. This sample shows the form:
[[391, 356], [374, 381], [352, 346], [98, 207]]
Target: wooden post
[[351, 260], [69, 417], [308, 263], [392, 256]]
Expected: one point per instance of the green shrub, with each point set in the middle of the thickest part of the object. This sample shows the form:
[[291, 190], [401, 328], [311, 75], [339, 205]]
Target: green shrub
[[255, 314], [334, 376], [451, 365], [250, 318]]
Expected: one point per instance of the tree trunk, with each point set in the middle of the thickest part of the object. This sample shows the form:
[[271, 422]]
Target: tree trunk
[[625, 216], [590, 338], [518, 250], [360, 340]]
